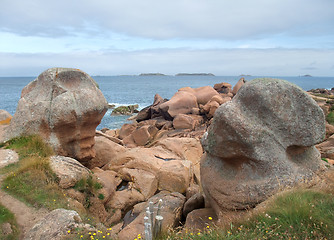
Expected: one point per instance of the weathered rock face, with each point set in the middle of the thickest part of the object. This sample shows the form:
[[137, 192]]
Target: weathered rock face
[[181, 102], [105, 150], [261, 140], [68, 170], [8, 156], [327, 148], [64, 106], [55, 225]]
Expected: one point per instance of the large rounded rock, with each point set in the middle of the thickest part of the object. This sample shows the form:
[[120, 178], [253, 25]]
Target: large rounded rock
[[68, 170], [105, 150], [260, 141], [181, 102], [64, 106]]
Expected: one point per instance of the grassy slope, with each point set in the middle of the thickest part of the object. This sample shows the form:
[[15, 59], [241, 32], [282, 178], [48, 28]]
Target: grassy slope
[[31, 180]]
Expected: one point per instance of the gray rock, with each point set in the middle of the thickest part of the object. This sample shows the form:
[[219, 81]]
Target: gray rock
[[68, 170], [260, 141], [54, 226], [64, 106], [5, 117], [7, 157]]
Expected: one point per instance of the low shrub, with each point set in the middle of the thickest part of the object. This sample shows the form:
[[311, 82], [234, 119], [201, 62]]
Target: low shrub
[[7, 217], [89, 187], [330, 118]]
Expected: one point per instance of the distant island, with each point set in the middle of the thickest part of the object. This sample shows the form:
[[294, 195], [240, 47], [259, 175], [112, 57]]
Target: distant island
[[152, 74], [194, 74], [245, 75], [307, 75]]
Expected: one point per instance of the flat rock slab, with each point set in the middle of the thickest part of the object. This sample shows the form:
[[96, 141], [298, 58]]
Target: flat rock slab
[[7, 157]]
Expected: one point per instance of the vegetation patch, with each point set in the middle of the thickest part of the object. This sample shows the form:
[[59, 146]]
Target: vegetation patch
[[89, 187], [6, 217], [299, 214], [31, 179], [330, 118]]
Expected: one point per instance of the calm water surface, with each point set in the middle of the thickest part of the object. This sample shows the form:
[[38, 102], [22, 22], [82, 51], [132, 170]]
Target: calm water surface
[[126, 90]]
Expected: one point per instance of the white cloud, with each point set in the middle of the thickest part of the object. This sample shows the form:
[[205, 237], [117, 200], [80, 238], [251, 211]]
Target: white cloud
[[107, 37], [158, 19]]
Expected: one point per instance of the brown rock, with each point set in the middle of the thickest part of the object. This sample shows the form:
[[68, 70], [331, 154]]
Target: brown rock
[[224, 88], [129, 142], [185, 148], [183, 121], [175, 176], [171, 212], [195, 202], [105, 150], [114, 139], [326, 148], [72, 193], [329, 130], [55, 106], [68, 170], [192, 190], [126, 198], [113, 132], [115, 216], [127, 129], [97, 209], [145, 182], [181, 102], [210, 108], [144, 134], [109, 180], [238, 85], [204, 94], [199, 219], [138, 158], [144, 114]]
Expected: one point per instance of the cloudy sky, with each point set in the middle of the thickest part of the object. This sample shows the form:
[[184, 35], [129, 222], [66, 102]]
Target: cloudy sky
[[115, 37]]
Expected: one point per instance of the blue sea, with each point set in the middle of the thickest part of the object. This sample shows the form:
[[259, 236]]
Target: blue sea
[[126, 90]]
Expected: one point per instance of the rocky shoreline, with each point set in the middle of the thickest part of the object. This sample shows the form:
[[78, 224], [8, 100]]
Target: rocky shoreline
[[209, 151]]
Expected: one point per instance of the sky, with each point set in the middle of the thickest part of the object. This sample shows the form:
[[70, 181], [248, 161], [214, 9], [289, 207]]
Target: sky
[[126, 37]]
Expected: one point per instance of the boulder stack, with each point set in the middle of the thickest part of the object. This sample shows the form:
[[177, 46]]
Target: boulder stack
[[64, 106], [259, 142]]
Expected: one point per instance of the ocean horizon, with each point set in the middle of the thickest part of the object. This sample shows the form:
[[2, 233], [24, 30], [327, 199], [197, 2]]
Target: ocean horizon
[[140, 89]]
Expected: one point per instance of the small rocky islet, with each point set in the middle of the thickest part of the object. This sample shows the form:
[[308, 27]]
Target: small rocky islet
[[210, 151]]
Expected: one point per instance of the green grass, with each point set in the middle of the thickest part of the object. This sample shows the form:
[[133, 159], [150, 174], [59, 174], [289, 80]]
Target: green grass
[[7, 217], [27, 146], [330, 118], [89, 187], [31, 179], [299, 214]]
